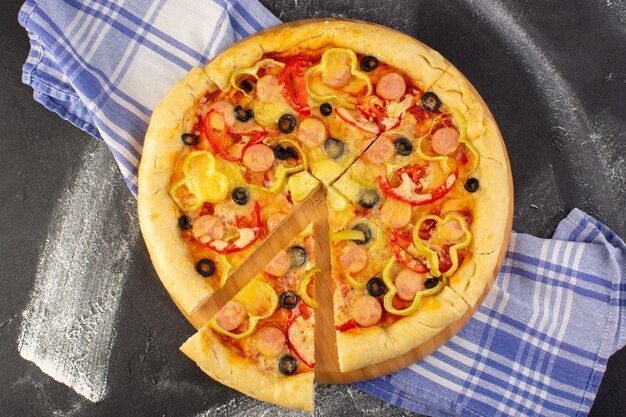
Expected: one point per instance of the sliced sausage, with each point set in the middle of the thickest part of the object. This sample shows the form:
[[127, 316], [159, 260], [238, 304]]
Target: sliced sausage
[[275, 219], [267, 89], [445, 141], [408, 283], [395, 213], [258, 158], [337, 75], [311, 131], [231, 316], [354, 258], [227, 111], [208, 226], [381, 150], [270, 341], [391, 86], [451, 231], [366, 311], [280, 265]]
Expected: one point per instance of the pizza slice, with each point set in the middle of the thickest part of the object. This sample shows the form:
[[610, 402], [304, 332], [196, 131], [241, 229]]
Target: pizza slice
[[261, 342]]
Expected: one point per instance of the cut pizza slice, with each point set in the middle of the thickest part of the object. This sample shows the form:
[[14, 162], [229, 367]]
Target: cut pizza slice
[[261, 342]]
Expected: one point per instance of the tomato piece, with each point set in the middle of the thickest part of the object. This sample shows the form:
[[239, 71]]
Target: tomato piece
[[350, 324], [416, 196], [292, 85]]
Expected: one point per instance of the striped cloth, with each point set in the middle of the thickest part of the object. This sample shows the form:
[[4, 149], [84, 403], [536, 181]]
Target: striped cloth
[[538, 345]]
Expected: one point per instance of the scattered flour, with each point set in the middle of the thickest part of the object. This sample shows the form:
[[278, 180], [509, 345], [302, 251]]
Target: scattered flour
[[68, 326]]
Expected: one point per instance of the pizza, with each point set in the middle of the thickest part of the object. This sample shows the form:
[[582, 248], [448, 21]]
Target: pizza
[[418, 192], [264, 335]]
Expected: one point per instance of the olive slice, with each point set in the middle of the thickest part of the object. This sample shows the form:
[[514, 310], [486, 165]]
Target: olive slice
[[471, 185], [334, 148], [246, 86], [369, 63], [205, 267], [282, 153], [297, 256], [431, 102], [326, 109], [286, 123], [184, 222], [368, 198], [190, 139], [431, 282], [362, 227], [241, 114], [288, 300], [287, 365], [375, 287], [241, 196], [403, 146]]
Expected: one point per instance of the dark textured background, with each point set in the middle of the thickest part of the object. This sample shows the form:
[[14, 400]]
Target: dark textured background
[[553, 74]]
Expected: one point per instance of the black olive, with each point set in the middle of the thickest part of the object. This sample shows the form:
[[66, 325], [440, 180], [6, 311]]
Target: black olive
[[205, 267], [288, 300], [190, 139], [366, 231], [375, 286], [241, 196], [287, 365], [471, 185], [246, 86], [403, 146], [241, 114], [326, 109], [297, 255], [281, 153], [431, 282], [368, 198], [184, 223], [286, 123], [334, 148], [369, 63], [431, 102]]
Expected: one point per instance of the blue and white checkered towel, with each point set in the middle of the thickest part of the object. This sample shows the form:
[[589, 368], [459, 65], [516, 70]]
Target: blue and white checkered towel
[[540, 342]]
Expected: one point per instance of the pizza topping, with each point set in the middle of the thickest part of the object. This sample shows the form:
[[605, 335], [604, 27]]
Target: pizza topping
[[231, 316], [431, 282], [218, 121], [279, 265], [408, 283], [337, 71], [391, 86], [270, 341], [241, 114], [311, 131], [395, 213], [267, 89], [358, 122], [246, 86], [410, 189], [354, 258], [251, 74], [208, 227], [287, 365], [399, 243], [334, 148], [303, 288], [205, 267], [367, 233], [190, 139], [283, 153], [326, 109], [403, 146], [247, 234], [288, 300], [471, 185], [368, 198], [202, 181], [380, 151], [258, 158], [355, 235], [393, 291], [300, 337], [366, 311], [293, 85], [445, 141], [431, 102], [369, 63], [286, 123], [184, 223], [375, 287], [241, 196], [297, 255]]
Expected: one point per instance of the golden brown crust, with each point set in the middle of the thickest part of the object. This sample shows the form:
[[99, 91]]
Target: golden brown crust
[[221, 364]]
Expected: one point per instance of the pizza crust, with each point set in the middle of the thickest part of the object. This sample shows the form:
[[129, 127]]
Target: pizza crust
[[230, 369]]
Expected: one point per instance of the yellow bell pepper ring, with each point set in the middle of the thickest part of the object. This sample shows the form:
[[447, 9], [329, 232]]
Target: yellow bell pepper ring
[[348, 234], [252, 71], [302, 289], [227, 267], [354, 283], [431, 255]]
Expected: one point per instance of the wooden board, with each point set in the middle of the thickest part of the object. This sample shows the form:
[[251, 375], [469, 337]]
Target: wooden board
[[314, 209]]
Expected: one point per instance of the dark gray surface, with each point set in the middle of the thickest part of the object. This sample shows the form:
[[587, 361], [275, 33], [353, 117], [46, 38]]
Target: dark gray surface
[[553, 74]]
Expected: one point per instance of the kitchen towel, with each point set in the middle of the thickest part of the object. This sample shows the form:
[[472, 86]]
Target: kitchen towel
[[540, 342]]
